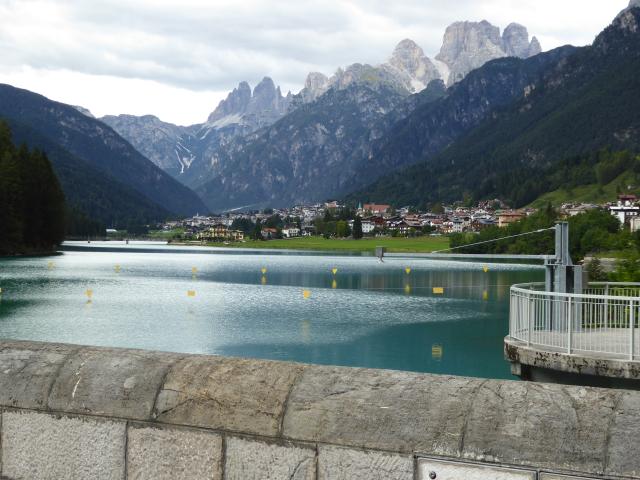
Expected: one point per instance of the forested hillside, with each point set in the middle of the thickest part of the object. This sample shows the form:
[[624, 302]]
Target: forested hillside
[[32, 205], [91, 193]]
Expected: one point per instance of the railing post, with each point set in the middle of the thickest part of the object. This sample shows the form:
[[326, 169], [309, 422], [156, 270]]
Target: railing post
[[632, 319], [569, 322], [606, 307], [528, 318]]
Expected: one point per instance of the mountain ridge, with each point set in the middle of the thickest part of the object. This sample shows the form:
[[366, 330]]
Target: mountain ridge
[[97, 145], [197, 154], [588, 101]]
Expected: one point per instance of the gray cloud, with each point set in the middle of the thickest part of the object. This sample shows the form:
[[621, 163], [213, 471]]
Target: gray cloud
[[206, 46]]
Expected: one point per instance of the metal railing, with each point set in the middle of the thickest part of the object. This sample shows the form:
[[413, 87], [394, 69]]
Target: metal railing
[[602, 321]]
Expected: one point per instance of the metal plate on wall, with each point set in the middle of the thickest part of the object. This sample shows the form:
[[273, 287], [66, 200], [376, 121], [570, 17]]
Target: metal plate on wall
[[429, 469], [555, 476]]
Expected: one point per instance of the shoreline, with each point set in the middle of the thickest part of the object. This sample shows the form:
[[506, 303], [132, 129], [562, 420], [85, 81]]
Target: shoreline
[[51, 253], [366, 245]]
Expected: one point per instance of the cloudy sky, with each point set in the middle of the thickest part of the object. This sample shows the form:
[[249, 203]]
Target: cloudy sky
[[178, 58]]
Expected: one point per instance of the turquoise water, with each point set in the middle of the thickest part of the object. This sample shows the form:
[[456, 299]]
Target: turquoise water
[[196, 300]]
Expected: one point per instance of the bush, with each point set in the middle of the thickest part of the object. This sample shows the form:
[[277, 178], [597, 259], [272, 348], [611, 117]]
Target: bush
[[596, 271]]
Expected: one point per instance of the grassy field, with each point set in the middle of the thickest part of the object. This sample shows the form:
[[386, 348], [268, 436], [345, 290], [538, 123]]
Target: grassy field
[[399, 245], [165, 234], [586, 193]]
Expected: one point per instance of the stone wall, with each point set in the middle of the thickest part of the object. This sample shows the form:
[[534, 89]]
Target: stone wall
[[84, 412]]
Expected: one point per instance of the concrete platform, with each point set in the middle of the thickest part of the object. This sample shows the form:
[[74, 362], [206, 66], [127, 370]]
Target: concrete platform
[[581, 367]]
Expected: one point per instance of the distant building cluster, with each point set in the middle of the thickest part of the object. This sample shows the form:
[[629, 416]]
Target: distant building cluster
[[377, 219], [383, 219]]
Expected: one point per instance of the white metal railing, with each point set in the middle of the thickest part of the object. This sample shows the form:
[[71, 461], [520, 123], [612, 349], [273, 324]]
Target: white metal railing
[[604, 320]]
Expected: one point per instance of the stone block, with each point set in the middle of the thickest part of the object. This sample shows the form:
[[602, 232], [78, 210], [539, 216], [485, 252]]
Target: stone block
[[623, 456], [42, 446], [255, 460], [173, 454], [380, 409], [235, 394], [114, 382], [28, 370], [539, 425], [337, 463]]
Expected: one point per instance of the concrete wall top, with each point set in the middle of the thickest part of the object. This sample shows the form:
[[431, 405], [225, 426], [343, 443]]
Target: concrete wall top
[[578, 429]]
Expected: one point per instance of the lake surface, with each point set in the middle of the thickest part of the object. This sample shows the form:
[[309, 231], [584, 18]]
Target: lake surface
[[197, 300]]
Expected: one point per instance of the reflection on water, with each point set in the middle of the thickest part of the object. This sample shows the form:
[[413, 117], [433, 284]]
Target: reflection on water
[[408, 314]]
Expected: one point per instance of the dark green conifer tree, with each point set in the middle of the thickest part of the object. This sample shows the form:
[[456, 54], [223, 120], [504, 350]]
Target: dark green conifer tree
[[32, 205], [357, 228]]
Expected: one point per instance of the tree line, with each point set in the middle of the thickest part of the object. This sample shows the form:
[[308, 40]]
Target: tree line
[[32, 203], [593, 232]]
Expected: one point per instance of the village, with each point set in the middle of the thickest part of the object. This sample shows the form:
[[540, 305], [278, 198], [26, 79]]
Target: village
[[332, 219]]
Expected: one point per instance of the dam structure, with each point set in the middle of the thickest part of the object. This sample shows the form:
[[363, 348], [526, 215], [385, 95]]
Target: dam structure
[[72, 412]]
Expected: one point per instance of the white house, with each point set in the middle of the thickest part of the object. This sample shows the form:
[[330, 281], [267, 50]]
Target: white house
[[457, 225], [367, 226], [290, 231], [625, 209]]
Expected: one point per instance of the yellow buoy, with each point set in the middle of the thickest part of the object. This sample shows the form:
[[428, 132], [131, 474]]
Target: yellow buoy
[[264, 270], [116, 269], [407, 270], [436, 352], [89, 293], [438, 290], [194, 270], [334, 270], [485, 269], [191, 293], [306, 293], [50, 265]]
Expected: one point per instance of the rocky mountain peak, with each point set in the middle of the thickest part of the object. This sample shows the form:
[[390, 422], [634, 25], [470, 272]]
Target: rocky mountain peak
[[266, 87], [411, 63], [466, 46], [469, 45], [253, 109], [316, 80], [315, 85], [632, 4], [265, 96], [516, 40], [534, 47], [236, 102], [84, 111], [406, 49]]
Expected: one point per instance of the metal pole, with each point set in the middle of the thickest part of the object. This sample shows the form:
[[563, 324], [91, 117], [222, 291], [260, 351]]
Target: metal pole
[[606, 307], [569, 322], [632, 315], [528, 321]]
